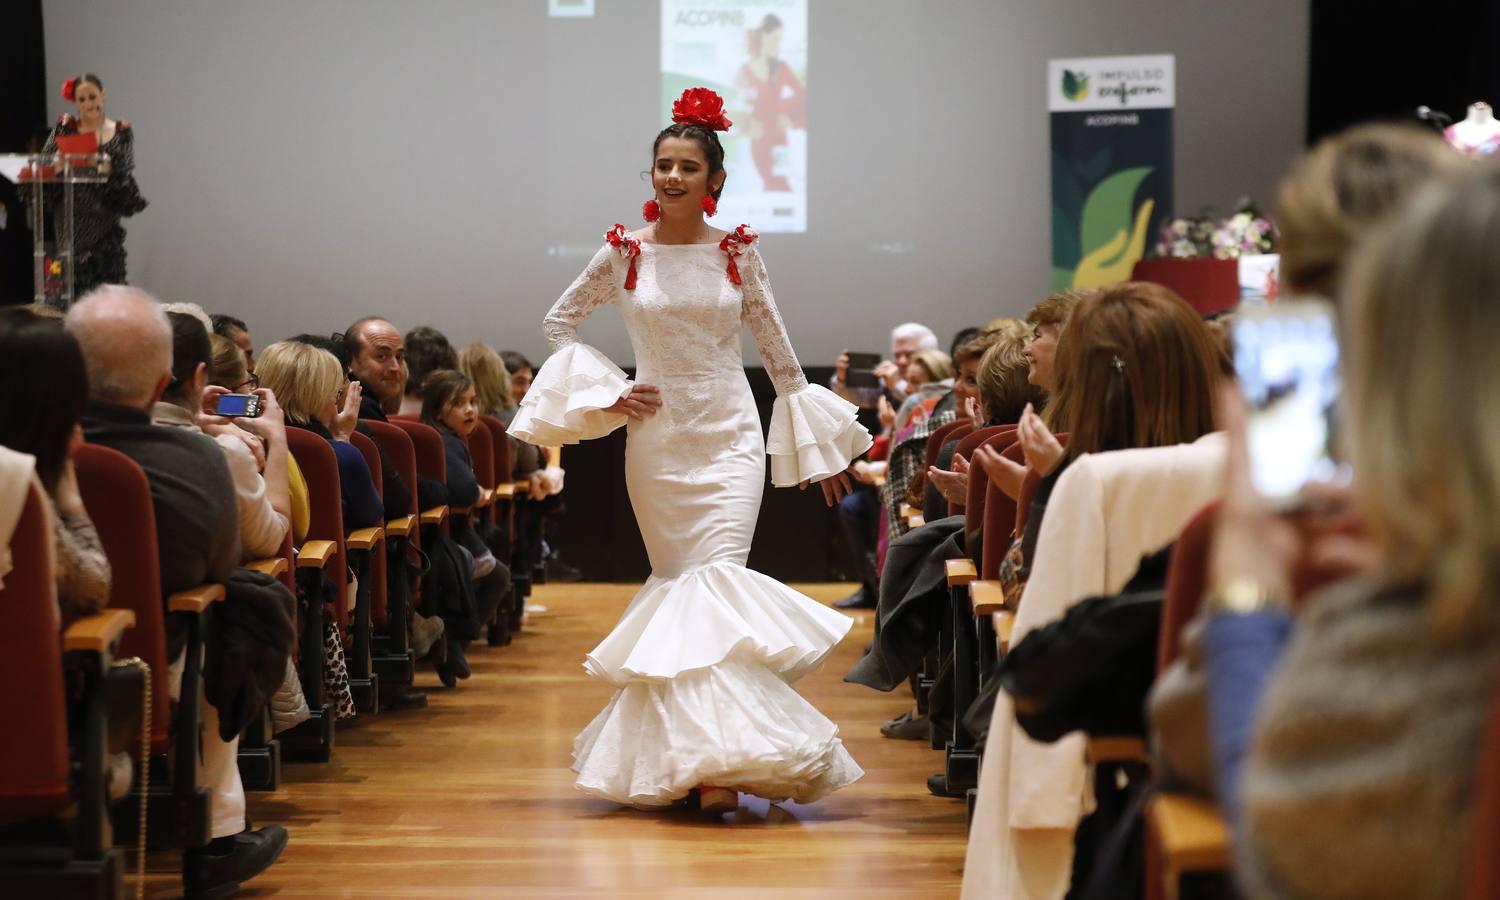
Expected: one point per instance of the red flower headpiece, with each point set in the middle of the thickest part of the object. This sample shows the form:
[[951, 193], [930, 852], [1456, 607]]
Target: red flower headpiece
[[68, 88], [733, 245], [700, 106], [628, 247]]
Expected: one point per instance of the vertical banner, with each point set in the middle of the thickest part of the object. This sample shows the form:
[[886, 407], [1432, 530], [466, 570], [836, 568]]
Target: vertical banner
[[1111, 163], [754, 54]]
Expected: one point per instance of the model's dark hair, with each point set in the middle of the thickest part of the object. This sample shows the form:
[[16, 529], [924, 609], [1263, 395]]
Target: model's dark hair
[[43, 389], [707, 140], [89, 77], [427, 350], [190, 349], [226, 325], [438, 390]]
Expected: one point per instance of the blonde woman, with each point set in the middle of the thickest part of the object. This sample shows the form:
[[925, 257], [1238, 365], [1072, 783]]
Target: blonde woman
[[310, 385], [1370, 714], [491, 380]]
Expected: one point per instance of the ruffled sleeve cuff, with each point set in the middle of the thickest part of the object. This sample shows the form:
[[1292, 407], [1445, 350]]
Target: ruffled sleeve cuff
[[568, 397], [814, 434]]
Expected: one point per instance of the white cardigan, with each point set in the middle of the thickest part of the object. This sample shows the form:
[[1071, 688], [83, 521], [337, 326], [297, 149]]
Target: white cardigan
[[1106, 512]]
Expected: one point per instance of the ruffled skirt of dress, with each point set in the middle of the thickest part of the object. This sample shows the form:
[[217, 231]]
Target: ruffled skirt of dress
[[704, 663]]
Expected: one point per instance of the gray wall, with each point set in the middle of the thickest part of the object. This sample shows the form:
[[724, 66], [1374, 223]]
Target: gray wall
[[454, 162]]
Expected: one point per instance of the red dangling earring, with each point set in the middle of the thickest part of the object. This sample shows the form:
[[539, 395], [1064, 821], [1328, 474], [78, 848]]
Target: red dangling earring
[[651, 210], [709, 204]]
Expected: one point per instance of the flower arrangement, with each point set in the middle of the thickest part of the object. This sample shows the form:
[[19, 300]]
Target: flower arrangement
[[1245, 233]]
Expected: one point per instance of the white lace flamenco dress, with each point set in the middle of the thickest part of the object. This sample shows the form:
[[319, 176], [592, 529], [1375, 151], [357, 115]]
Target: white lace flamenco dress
[[704, 656]]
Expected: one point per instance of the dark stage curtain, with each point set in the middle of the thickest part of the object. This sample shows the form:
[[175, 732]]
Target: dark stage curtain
[[23, 124], [1380, 61]]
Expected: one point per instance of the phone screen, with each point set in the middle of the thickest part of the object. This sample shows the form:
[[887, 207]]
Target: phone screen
[[862, 370], [233, 405], [1286, 358]]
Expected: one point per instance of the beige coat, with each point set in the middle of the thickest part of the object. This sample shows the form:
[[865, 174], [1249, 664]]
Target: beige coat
[[1106, 512]]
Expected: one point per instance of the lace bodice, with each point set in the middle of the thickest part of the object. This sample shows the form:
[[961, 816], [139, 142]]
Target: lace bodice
[[684, 316]]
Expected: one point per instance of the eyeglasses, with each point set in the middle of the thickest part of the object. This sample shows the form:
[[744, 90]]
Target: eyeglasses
[[248, 385]]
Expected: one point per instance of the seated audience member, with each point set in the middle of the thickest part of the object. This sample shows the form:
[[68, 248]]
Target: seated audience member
[[264, 498], [448, 406], [1358, 730], [127, 349], [43, 389], [929, 376], [905, 340], [310, 386], [1339, 191], [377, 360], [521, 371], [238, 332], [227, 371], [427, 351]]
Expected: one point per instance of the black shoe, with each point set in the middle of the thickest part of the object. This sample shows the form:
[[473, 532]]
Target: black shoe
[[219, 869], [864, 598], [402, 696], [457, 661], [557, 570], [938, 786]]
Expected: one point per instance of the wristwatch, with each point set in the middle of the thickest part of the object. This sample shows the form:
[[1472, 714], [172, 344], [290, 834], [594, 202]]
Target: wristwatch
[[1242, 596]]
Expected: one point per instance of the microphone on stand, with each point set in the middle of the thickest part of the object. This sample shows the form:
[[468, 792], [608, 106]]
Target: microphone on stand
[[1436, 118]]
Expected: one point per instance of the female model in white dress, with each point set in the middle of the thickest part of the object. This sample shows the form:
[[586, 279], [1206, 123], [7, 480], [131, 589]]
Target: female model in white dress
[[704, 656]]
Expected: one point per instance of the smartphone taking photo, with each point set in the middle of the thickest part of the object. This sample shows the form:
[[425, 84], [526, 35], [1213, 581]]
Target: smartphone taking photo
[[241, 406], [861, 372], [1286, 358]]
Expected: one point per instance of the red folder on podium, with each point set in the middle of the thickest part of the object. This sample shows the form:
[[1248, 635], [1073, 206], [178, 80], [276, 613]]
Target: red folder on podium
[[78, 146]]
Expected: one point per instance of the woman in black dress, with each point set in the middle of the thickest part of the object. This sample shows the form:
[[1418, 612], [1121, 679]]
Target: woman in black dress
[[98, 237]]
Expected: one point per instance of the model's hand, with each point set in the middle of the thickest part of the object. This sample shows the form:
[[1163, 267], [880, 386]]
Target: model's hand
[[841, 367], [642, 401], [835, 487], [954, 485]]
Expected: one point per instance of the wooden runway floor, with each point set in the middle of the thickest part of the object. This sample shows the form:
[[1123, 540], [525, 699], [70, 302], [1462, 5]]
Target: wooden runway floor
[[472, 796]]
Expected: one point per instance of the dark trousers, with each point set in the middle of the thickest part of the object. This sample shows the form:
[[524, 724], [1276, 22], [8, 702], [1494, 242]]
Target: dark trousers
[[859, 520]]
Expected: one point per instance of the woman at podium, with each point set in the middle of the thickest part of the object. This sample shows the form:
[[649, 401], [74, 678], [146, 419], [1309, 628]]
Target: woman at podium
[[98, 207]]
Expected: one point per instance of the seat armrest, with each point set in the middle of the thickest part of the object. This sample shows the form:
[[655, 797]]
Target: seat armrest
[[915, 521], [364, 538], [1191, 835], [505, 491], [1005, 625], [400, 527], [987, 597], [960, 571], [272, 566], [435, 516], [1122, 748], [522, 486], [196, 600], [315, 554], [99, 632], [460, 510]]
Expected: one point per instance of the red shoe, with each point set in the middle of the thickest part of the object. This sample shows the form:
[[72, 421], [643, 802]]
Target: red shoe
[[717, 800]]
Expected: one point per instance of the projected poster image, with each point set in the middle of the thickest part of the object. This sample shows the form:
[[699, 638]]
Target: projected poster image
[[754, 54]]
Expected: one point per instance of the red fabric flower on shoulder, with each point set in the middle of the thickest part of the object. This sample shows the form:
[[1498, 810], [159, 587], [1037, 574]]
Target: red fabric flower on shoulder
[[735, 243], [700, 106], [628, 247]]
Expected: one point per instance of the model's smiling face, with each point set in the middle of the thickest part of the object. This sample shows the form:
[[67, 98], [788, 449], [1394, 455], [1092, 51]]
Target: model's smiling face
[[680, 174], [88, 99]]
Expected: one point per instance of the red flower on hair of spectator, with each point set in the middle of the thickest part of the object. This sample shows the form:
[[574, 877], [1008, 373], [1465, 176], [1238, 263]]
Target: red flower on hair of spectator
[[700, 106], [628, 247], [733, 245], [68, 89]]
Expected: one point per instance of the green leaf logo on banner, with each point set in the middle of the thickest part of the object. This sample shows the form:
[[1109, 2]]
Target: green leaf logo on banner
[[1111, 238], [1075, 85]]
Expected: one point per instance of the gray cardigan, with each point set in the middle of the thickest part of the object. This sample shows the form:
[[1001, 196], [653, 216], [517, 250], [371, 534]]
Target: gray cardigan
[[1359, 782]]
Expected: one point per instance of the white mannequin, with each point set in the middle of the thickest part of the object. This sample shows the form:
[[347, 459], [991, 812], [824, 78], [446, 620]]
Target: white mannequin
[[1478, 134]]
